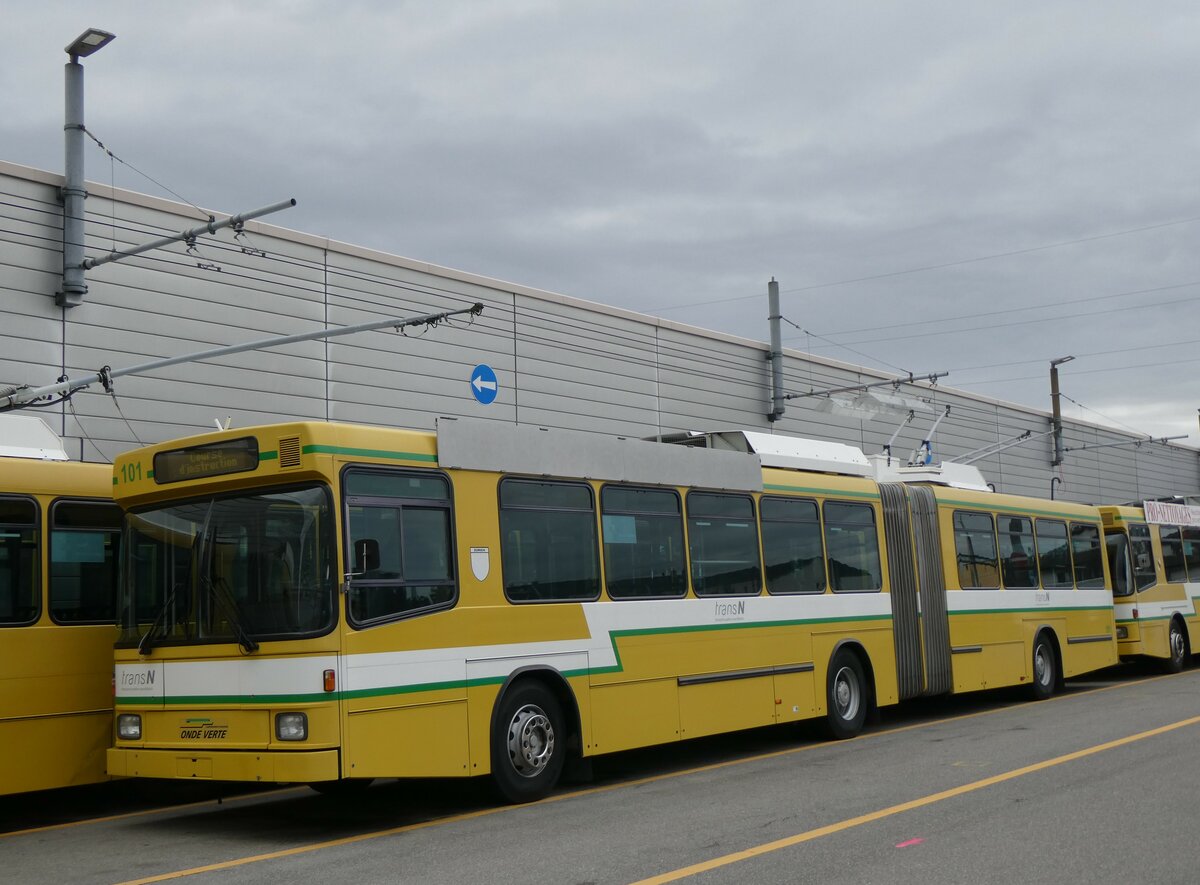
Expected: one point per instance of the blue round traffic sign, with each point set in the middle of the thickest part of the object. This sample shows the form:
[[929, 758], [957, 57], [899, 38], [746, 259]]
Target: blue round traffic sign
[[484, 385]]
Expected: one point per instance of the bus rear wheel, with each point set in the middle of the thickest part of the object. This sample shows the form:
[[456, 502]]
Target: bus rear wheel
[[846, 696], [1045, 669], [1177, 645], [528, 743]]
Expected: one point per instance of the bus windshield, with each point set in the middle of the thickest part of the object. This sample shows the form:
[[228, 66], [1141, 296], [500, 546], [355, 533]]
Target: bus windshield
[[230, 569]]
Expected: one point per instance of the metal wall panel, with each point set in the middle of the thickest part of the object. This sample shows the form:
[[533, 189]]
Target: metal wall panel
[[561, 362]]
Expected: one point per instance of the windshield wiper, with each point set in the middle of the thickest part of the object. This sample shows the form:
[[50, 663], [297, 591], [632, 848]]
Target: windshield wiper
[[147, 641], [223, 599], [219, 592]]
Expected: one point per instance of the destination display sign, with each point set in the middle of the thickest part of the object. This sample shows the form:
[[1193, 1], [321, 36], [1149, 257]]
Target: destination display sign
[[214, 459]]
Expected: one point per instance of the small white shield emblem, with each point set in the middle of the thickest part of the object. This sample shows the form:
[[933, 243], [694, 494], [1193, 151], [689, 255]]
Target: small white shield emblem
[[481, 562]]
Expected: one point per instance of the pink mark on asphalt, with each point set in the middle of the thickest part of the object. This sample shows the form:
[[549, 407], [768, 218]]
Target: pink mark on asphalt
[[909, 843]]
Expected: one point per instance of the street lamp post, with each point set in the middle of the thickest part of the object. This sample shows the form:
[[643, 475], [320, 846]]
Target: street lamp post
[[1054, 404], [74, 286]]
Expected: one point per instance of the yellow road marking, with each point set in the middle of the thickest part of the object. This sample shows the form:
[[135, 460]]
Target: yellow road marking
[[799, 838], [591, 791]]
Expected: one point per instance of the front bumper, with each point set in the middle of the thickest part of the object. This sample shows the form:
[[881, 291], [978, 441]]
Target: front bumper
[[293, 766]]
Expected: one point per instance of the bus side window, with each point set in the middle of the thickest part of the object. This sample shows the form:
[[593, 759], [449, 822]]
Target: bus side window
[[1087, 556], [852, 547], [85, 542], [975, 550], [723, 545], [1018, 565], [399, 544], [643, 543], [1172, 548], [1054, 554], [20, 594], [1143, 556], [792, 546], [548, 541], [1191, 552]]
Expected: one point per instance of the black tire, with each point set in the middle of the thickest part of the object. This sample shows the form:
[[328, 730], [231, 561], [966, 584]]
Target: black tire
[[846, 696], [1045, 669], [1177, 645], [529, 743], [344, 787]]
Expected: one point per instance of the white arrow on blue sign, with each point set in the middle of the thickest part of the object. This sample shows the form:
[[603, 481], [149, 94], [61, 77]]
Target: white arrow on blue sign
[[484, 386]]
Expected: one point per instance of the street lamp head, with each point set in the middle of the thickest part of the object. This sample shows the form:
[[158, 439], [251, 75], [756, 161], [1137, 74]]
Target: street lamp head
[[88, 42], [1061, 360]]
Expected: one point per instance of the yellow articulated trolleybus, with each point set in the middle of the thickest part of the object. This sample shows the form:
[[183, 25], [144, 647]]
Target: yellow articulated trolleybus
[[59, 543], [318, 602], [1154, 557]]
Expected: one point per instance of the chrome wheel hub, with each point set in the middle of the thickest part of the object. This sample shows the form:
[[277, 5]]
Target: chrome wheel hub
[[1041, 667], [1177, 647], [846, 694], [530, 741]]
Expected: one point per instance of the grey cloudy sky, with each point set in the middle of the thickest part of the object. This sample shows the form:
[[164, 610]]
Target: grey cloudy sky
[[969, 187]]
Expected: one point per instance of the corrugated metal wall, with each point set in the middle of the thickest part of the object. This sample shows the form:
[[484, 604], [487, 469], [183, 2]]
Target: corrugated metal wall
[[560, 361]]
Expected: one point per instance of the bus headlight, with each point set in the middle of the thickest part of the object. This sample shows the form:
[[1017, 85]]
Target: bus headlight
[[1122, 633], [291, 726], [129, 727]]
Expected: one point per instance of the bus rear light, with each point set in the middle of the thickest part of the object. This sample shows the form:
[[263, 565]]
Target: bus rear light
[[129, 727], [330, 680], [291, 726]]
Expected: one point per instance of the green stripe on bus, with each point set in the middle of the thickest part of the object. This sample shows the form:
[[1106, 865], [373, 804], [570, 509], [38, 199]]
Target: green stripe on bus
[[369, 453], [1024, 511], [814, 490], [614, 635], [267, 456], [205, 700], [1038, 609], [391, 690]]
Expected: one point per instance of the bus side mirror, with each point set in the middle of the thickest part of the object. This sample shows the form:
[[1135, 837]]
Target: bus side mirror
[[366, 556]]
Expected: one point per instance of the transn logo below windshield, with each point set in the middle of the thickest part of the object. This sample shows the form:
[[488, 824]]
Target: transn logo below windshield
[[202, 729], [137, 680]]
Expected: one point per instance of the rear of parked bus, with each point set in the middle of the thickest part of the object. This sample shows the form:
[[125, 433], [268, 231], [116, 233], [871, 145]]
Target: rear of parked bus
[[59, 539]]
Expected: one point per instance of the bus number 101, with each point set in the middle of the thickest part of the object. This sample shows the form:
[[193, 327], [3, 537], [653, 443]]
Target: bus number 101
[[131, 472]]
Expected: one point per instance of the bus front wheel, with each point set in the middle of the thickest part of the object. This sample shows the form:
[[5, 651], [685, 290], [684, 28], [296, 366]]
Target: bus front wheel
[[846, 696], [1045, 669], [528, 743], [1177, 647]]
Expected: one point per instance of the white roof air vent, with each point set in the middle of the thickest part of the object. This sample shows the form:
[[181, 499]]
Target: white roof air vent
[[786, 452], [24, 436], [947, 473]]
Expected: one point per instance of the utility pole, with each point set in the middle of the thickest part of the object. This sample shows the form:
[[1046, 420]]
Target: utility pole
[[1057, 411], [776, 354], [74, 191]]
